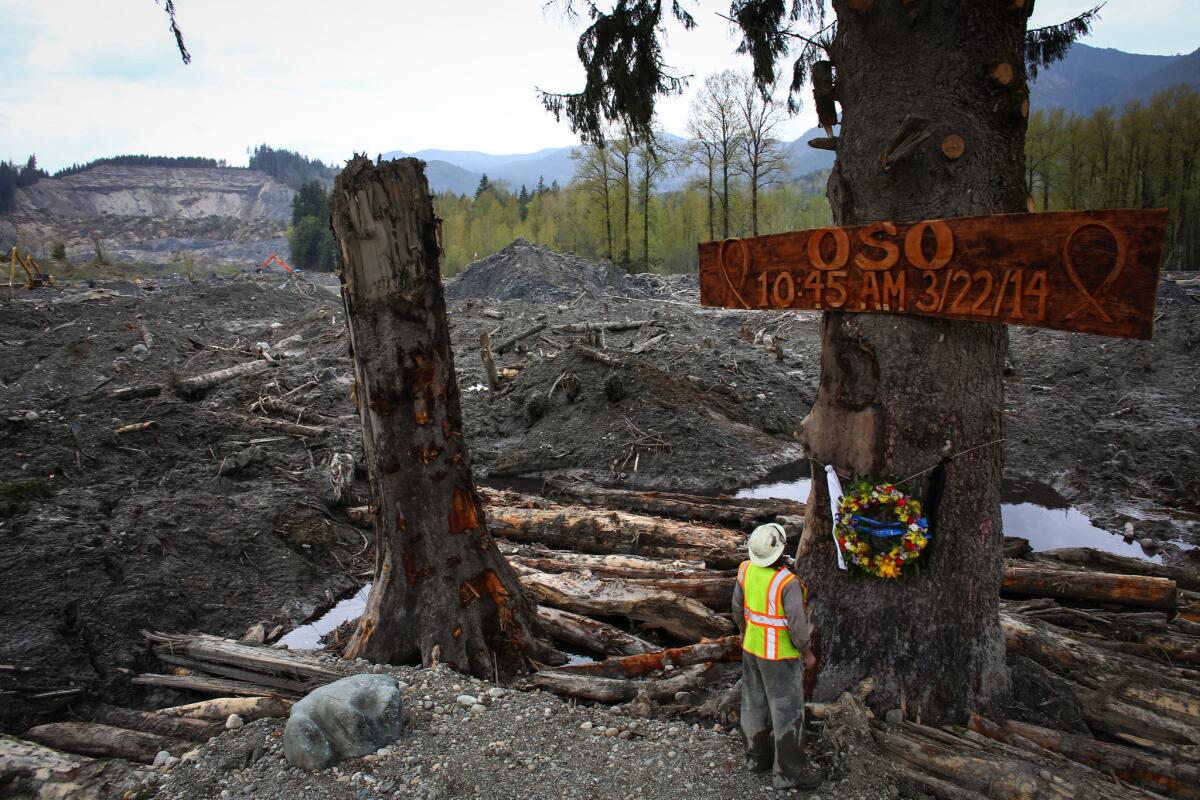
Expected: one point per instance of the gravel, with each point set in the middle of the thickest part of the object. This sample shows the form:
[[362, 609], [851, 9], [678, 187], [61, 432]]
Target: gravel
[[509, 744]]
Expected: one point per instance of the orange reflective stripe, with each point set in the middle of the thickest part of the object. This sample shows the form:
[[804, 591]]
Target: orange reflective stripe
[[779, 592]]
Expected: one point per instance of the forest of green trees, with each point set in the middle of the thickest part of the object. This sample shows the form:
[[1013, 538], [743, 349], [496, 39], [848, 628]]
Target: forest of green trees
[[142, 161], [1141, 156], [291, 168], [731, 171], [13, 177], [310, 239]]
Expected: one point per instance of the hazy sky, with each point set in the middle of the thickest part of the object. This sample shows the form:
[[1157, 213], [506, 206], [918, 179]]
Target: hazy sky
[[89, 78]]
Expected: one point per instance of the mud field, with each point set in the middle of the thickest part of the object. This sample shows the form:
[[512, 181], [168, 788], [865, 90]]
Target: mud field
[[186, 510]]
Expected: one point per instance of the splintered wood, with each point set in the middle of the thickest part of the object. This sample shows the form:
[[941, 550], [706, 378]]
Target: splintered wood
[[1087, 271]]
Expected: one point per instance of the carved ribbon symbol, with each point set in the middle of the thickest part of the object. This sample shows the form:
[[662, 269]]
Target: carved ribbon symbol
[[1089, 298], [724, 266]]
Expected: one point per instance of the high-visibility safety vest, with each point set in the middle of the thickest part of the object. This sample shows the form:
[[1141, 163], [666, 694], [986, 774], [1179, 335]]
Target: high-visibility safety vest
[[766, 623]]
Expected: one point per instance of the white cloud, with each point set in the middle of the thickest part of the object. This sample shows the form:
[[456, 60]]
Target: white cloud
[[88, 78]]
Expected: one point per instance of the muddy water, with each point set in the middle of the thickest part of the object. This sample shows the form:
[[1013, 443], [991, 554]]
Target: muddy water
[[308, 637], [1033, 511]]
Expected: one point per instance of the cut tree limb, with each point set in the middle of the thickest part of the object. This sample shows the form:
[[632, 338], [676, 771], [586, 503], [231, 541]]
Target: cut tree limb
[[590, 635], [599, 355], [295, 429], [105, 741], [136, 392], [248, 708], [489, 363], [192, 386], [679, 616], [1101, 561]]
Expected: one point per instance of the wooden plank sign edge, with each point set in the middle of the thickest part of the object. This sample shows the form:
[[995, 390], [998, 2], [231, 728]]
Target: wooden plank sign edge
[[1084, 271]]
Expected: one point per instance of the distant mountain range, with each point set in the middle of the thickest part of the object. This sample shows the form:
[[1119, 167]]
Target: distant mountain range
[[1088, 78]]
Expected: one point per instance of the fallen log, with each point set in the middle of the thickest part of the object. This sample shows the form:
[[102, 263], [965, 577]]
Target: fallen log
[[314, 431], [183, 728], [204, 685], [29, 770], [1101, 561], [1080, 660], [285, 686], [728, 648], [614, 566], [994, 773], [136, 392], [589, 635], [281, 406], [507, 344], [617, 532], [646, 345], [591, 327], [656, 608], [1129, 590], [602, 357], [248, 708], [1104, 712], [268, 660], [1127, 764], [740, 512], [192, 386], [716, 592], [617, 690], [105, 741]]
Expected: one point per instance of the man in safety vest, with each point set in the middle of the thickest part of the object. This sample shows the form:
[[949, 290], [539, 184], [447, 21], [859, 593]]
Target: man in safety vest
[[770, 607]]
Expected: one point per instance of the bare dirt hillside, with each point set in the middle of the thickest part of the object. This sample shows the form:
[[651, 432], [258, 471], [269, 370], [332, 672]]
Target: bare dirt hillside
[[134, 191]]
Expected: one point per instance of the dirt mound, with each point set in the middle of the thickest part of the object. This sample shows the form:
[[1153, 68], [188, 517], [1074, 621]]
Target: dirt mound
[[535, 273]]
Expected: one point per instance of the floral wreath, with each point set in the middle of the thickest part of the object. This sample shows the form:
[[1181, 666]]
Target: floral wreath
[[880, 529]]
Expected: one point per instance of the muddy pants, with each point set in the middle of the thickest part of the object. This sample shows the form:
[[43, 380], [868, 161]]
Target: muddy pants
[[773, 714]]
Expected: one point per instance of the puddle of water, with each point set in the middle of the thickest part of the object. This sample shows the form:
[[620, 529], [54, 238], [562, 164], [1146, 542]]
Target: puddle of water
[[1030, 510], [308, 637]]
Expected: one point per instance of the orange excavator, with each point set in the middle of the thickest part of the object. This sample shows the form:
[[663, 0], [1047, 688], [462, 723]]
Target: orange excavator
[[275, 259], [34, 277]]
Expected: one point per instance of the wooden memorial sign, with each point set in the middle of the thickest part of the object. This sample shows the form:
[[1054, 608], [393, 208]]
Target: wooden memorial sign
[[1087, 271]]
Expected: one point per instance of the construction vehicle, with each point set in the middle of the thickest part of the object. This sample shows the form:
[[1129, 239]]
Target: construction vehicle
[[275, 259], [34, 277]]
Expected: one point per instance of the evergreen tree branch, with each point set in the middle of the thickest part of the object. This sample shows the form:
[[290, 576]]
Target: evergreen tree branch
[[169, 7], [1044, 46]]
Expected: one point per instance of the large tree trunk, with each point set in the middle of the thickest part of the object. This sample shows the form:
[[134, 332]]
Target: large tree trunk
[[441, 588], [899, 394]]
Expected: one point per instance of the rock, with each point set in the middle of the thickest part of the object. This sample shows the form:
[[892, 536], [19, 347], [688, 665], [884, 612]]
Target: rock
[[478, 707], [139, 350], [495, 692], [586, 726], [1149, 545], [233, 722], [348, 718], [31, 416], [1128, 535], [160, 758], [611, 732], [894, 716], [378, 669], [466, 700], [170, 762]]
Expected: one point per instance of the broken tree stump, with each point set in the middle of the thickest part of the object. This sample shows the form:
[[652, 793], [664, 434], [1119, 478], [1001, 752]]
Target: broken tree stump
[[440, 589]]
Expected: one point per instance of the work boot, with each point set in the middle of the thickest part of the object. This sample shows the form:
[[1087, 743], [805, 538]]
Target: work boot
[[803, 775], [758, 763]]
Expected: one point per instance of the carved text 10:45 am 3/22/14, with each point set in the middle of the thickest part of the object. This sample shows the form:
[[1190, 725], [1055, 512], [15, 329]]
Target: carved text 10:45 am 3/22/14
[[1087, 271]]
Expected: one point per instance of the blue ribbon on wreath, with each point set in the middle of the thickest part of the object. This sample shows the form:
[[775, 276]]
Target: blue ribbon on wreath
[[885, 530]]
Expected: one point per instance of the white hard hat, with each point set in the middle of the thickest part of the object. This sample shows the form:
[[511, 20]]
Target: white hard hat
[[766, 544]]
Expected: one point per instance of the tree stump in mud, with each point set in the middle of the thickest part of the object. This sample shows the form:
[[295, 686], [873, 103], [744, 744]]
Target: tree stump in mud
[[900, 394], [441, 589]]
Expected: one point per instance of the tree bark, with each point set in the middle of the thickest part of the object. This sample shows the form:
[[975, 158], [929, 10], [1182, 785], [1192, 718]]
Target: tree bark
[[590, 635], [441, 589], [105, 741], [900, 394], [1101, 587]]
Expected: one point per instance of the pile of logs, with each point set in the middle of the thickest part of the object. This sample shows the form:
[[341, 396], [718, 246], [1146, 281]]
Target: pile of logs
[[1110, 646]]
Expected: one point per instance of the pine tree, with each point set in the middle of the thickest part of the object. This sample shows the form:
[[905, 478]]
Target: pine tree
[[484, 185], [523, 201]]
